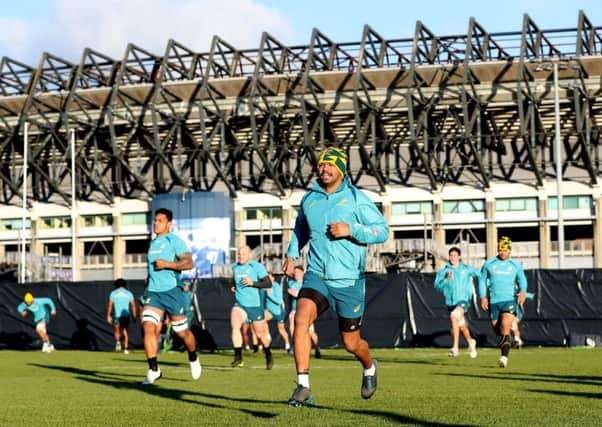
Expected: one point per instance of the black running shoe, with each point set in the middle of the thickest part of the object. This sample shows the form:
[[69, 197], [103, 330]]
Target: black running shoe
[[269, 361], [318, 353], [369, 382], [237, 363], [301, 397]]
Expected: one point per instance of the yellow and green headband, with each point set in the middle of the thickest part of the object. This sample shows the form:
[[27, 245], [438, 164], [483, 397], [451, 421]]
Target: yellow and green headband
[[335, 157], [504, 244]]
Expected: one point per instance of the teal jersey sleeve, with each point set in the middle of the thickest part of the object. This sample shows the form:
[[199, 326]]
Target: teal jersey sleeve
[[40, 309], [274, 298], [371, 226], [300, 235]]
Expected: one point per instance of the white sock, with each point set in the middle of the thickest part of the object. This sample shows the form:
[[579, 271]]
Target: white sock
[[370, 371], [303, 379], [287, 346]]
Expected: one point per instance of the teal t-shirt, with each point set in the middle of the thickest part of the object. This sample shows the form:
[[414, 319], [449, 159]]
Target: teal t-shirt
[[498, 280], [40, 308], [248, 296], [293, 284], [273, 302], [167, 247], [121, 298]]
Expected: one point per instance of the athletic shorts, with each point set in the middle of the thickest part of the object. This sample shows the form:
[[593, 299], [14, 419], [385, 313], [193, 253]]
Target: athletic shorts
[[519, 312], [347, 302], [463, 304], [502, 307], [172, 301], [278, 317], [254, 314], [123, 321]]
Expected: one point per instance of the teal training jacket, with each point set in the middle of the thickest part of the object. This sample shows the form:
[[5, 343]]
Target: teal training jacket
[[330, 258]]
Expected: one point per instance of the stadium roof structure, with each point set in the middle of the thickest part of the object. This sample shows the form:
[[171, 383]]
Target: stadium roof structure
[[422, 111]]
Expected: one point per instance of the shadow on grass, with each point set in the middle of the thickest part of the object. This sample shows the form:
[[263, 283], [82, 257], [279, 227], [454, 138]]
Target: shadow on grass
[[392, 417], [544, 378], [381, 359], [116, 381], [569, 393]]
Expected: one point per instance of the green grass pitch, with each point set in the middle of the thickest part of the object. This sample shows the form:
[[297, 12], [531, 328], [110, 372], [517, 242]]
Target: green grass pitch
[[541, 386]]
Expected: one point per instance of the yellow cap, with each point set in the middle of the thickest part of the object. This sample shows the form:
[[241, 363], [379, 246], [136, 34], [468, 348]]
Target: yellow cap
[[504, 244], [28, 298]]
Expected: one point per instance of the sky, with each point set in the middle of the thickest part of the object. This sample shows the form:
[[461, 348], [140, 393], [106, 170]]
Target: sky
[[65, 27]]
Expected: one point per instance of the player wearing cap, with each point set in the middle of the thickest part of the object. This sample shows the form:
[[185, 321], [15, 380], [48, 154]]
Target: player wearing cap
[[499, 275], [338, 221], [41, 310]]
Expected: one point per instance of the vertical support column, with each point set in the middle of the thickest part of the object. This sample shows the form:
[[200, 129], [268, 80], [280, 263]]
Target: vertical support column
[[36, 247], [79, 250], [438, 229], [387, 212], [239, 238], [490, 225], [118, 247], [597, 225], [287, 226], [544, 232]]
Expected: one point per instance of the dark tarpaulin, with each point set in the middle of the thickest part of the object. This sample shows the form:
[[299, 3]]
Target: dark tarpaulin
[[402, 309]]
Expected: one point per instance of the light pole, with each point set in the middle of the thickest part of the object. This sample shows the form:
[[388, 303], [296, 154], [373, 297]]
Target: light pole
[[74, 265], [558, 158], [23, 269]]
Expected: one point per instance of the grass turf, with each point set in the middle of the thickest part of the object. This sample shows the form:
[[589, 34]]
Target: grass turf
[[540, 386]]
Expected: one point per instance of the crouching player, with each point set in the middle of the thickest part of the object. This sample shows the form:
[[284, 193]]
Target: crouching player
[[41, 309]]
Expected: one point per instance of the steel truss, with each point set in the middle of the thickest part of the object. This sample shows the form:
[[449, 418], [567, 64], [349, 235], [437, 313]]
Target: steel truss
[[424, 111]]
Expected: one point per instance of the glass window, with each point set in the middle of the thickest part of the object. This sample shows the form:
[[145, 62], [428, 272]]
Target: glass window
[[56, 222], [266, 213], [14, 224], [502, 205], [411, 208], [464, 206], [105, 220], [517, 204], [135, 218], [571, 202]]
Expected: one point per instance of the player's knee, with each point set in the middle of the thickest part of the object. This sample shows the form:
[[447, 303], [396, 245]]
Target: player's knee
[[41, 328], [150, 317], [179, 325], [351, 344]]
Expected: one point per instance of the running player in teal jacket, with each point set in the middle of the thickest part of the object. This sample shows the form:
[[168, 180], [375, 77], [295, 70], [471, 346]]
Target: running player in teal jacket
[[338, 221], [499, 276], [41, 309], [456, 281]]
